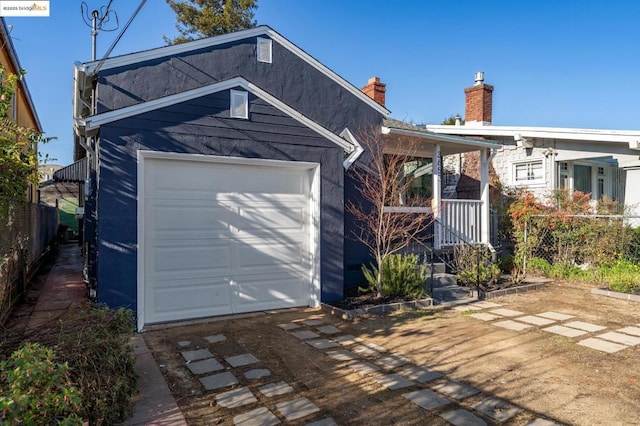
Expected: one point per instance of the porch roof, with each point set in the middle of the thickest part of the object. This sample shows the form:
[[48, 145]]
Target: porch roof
[[448, 144]]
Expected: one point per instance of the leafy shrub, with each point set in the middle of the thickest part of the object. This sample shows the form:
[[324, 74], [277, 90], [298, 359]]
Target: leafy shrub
[[35, 389], [538, 265], [622, 276], [402, 275], [506, 263], [94, 342], [475, 267]]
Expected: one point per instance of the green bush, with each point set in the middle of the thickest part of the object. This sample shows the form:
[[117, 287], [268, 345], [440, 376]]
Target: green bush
[[622, 276], [402, 276], [94, 342], [35, 389], [538, 265], [475, 267]]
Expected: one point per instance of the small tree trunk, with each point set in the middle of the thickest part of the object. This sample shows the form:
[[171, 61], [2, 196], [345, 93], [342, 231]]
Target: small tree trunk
[[380, 262]]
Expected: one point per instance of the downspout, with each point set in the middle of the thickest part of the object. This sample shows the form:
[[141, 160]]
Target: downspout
[[436, 202]]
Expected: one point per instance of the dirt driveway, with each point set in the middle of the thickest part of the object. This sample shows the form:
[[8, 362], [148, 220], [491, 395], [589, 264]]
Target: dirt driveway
[[549, 376]]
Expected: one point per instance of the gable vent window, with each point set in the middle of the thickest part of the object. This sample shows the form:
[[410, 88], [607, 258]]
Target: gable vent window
[[239, 104], [265, 50]]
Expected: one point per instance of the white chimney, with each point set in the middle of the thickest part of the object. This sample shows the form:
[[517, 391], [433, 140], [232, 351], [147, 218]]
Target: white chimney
[[479, 78]]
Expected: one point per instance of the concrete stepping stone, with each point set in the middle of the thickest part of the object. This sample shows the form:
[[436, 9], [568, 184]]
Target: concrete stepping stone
[[183, 343], [497, 409], [218, 381], [483, 316], [342, 355], [602, 345], [217, 338], [426, 399], [365, 351], [634, 331], [312, 322], [456, 390], [564, 331], [364, 368], [347, 340], [205, 366], [584, 326], [297, 408], [305, 334], [466, 308], [612, 336], [512, 325], [324, 422], [535, 320], [329, 329], [542, 422], [258, 417], [393, 381], [257, 373], [483, 304], [196, 355], [374, 347], [421, 374], [275, 389], [241, 360], [463, 418], [289, 326], [392, 361], [235, 398], [555, 316], [506, 312], [322, 343]]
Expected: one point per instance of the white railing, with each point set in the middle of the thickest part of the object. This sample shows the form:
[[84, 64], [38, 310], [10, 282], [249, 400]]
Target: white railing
[[460, 222]]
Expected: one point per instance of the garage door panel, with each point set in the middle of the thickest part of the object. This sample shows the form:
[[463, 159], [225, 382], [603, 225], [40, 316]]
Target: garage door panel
[[191, 179], [189, 300], [264, 293], [253, 219], [272, 257], [199, 260], [212, 221]]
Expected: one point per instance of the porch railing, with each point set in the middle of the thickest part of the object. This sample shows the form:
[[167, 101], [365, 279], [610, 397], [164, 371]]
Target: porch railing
[[460, 222]]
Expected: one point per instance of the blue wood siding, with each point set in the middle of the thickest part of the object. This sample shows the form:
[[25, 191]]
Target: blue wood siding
[[203, 126]]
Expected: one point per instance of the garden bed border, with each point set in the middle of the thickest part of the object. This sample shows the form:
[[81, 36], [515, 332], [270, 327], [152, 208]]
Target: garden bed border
[[511, 290], [616, 295], [346, 314]]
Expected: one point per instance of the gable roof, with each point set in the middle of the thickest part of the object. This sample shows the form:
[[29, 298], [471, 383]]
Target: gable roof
[[449, 144], [92, 123], [262, 30]]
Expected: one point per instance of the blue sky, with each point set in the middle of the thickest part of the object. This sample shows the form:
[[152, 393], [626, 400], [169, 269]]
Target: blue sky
[[571, 63]]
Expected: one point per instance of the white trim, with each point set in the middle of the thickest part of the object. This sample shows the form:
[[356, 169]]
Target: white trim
[[261, 43], [536, 182], [93, 122], [624, 136], [204, 43], [357, 151], [436, 137], [239, 99], [314, 225]]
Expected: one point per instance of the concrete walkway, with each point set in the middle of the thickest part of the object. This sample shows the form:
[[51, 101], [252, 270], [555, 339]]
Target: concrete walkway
[[64, 289]]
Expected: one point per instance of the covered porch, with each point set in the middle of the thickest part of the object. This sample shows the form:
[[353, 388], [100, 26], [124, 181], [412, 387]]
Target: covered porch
[[455, 221]]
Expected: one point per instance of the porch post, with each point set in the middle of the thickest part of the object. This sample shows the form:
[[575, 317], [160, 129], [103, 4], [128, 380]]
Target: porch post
[[436, 202], [484, 196]]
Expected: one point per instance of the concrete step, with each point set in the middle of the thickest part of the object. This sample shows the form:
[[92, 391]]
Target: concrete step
[[444, 280], [438, 268], [451, 293]]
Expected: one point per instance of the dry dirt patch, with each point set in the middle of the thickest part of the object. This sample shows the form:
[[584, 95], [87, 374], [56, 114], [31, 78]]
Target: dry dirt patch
[[544, 373]]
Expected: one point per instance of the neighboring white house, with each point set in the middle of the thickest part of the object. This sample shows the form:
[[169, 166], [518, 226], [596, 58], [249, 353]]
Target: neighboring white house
[[605, 163]]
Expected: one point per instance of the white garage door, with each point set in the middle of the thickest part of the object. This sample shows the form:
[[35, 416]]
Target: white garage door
[[223, 236]]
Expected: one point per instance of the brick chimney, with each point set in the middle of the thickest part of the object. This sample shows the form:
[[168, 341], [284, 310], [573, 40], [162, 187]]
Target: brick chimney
[[375, 90], [478, 103]]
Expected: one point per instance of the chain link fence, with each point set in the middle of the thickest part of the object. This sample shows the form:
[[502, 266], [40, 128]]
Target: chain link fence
[[580, 240], [26, 230]]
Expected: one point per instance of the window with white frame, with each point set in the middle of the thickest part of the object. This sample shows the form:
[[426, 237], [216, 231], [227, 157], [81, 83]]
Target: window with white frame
[[528, 172], [239, 104]]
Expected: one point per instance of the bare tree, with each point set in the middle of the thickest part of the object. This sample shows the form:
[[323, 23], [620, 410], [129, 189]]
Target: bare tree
[[386, 219]]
